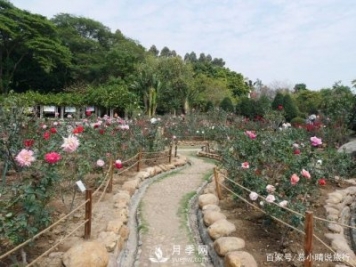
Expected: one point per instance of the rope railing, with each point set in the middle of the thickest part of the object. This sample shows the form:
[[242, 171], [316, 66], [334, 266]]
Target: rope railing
[[288, 209], [42, 232], [281, 221], [57, 244], [105, 183], [128, 160]]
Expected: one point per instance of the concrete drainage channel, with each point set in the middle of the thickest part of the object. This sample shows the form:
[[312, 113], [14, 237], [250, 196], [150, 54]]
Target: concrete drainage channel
[[130, 253]]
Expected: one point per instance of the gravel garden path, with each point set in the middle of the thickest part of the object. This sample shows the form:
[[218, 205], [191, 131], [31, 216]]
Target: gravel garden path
[[166, 237]]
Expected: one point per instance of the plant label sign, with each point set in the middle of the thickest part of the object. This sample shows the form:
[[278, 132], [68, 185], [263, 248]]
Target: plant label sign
[[81, 186]]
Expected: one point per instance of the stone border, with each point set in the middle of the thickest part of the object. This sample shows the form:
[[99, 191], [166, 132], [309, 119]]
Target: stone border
[[341, 207], [215, 230]]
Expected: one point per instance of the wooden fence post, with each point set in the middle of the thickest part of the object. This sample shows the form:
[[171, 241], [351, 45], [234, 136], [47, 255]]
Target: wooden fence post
[[139, 156], [111, 174], [308, 242], [217, 184], [175, 150], [170, 154], [88, 211]]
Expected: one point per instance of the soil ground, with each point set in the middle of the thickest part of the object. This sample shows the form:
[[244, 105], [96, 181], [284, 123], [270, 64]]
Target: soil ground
[[266, 240]]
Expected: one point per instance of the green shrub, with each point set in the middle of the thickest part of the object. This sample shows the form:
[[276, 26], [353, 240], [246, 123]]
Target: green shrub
[[297, 121]]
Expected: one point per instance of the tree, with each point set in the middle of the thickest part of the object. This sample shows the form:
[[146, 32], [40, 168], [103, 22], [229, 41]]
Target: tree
[[148, 85], [290, 108], [24, 35], [177, 77], [89, 41], [245, 107], [308, 102], [153, 50], [122, 58], [165, 52], [278, 101], [300, 87], [226, 105]]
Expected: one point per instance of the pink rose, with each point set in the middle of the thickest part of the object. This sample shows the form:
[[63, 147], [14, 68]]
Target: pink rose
[[294, 179]]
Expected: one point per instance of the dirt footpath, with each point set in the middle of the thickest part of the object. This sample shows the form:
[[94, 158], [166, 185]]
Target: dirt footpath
[[165, 234]]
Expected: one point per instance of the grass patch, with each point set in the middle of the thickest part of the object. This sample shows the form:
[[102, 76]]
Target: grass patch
[[143, 227], [183, 211], [207, 176]]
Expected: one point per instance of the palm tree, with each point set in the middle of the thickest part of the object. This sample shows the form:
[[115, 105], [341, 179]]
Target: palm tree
[[148, 86]]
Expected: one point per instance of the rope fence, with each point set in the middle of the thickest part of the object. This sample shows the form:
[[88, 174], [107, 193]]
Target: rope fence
[[105, 186], [308, 233]]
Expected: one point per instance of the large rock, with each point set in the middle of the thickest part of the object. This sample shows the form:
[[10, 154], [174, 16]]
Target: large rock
[[109, 239], [223, 245], [212, 216], [210, 207], [122, 214], [208, 199], [86, 254], [124, 232], [122, 197], [349, 147], [221, 228], [239, 259], [114, 226], [131, 186]]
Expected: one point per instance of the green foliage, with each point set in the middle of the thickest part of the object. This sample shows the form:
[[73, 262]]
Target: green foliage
[[290, 108], [226, 104], [299, 87], [278, 101], [297, 121], [245, 107], [25, 35], [308, 102], [272, 161]]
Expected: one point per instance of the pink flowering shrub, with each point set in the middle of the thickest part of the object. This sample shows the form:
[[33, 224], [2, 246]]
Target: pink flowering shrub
[[282, 168]]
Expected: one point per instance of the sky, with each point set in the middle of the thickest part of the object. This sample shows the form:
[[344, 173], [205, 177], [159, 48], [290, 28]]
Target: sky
[[280, 42]]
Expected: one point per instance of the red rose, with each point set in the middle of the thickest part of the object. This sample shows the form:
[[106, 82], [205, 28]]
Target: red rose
[[28, 142], [101, 131], [78, 130], [296, 152], [88, 113], [118, 164], [322, 182], [46, 135], [52, 157], [53, 130], [280, 107]]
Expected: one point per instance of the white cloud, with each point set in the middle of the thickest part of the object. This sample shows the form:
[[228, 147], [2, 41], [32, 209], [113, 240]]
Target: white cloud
[[300, 41]]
